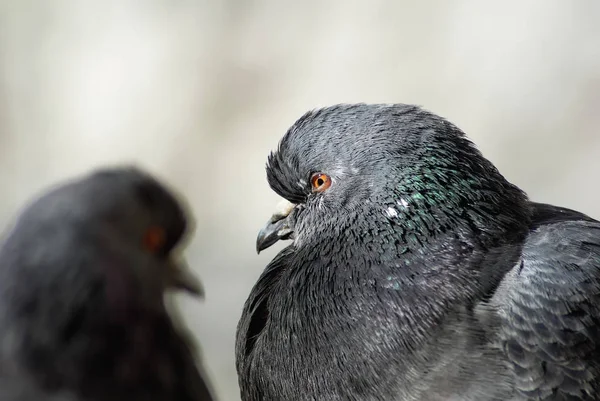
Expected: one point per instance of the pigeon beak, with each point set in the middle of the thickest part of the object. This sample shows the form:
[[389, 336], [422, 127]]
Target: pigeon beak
[[180, 277], [277, 227]]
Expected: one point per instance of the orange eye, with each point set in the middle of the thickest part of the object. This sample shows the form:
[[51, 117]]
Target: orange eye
[[154, 239], [320, 182]]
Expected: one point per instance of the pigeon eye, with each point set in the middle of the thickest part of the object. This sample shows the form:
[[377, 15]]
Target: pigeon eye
[[154, 239], [320, 182]]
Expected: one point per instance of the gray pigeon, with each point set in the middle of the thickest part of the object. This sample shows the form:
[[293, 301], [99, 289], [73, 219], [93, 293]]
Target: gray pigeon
[[416, 272], [83, 273]]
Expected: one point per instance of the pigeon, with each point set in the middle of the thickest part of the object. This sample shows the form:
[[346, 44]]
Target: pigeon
[[84, 273], [415, 272]]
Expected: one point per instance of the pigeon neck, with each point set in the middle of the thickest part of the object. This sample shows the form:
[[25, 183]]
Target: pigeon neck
[[408, 276]]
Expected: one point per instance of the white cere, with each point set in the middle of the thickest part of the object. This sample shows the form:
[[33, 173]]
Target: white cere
[[284, 208]]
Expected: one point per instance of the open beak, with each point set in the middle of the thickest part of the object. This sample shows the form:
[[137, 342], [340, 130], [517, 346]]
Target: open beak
[[278, 227], [180, 277]]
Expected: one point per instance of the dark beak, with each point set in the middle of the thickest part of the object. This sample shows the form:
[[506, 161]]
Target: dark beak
[[180, 277], [277, 228]]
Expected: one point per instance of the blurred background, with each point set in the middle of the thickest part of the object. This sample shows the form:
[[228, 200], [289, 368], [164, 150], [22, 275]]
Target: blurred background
[[200, 91]]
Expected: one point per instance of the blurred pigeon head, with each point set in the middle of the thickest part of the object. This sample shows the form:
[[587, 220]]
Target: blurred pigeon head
[[126, 210]]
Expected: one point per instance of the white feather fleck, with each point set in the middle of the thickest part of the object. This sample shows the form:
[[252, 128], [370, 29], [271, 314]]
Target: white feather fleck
[[403, 202], [391, 212]]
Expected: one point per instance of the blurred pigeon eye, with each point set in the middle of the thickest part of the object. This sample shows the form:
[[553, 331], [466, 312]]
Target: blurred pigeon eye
[[320, 182], [154, 239]]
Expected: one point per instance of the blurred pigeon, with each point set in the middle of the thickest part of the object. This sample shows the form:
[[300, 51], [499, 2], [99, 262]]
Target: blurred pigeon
[[83, 274], [416, 272]]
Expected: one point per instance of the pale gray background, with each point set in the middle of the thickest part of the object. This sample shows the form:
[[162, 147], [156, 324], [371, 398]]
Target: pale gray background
[[200, 91]]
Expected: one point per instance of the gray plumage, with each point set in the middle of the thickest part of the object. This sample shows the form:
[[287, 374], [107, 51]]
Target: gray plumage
[[82, 314], [420, 273]]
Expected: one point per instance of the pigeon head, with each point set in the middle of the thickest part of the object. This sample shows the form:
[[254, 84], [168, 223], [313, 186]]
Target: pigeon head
[[395, 165], [122, 209]]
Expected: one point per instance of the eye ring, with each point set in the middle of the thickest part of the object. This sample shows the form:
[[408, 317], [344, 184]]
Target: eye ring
[[320, 182]]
